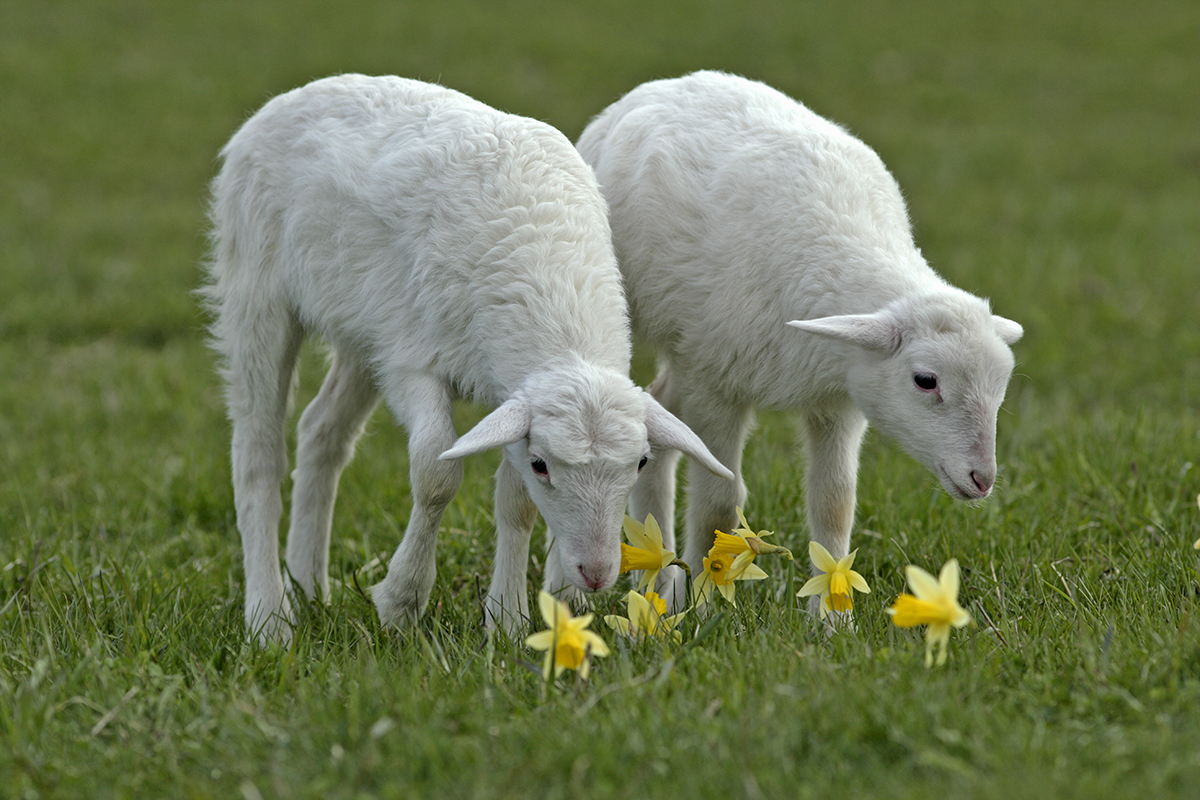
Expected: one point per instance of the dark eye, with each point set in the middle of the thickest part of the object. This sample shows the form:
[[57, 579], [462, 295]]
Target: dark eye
[[539, 468], [925, 382], [642, 463]]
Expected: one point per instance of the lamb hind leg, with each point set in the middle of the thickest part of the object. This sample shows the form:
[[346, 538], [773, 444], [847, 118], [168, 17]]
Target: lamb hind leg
[[328, 430], [261, 357], [424, 407]]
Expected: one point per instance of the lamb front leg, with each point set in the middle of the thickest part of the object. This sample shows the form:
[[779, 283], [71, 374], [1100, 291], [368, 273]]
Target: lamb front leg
[[507, 603], [832, 443]]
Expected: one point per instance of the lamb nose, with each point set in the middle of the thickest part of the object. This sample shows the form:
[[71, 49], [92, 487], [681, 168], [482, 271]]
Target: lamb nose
[[983, 483], [593, 582]]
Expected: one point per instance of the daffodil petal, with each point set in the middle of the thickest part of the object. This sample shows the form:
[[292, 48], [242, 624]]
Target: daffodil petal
[[618, 624], [821, 557], [647, 579], [949, 579], [727, 591], [847, 561], [752, 572], [924, 585], [593, 643], [859, 582], [635, 532], [815, 585], [542, 640], [553, 609], [740, 565], [639, 607]]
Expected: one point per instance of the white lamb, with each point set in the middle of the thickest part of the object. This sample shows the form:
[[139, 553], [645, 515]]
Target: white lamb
[[444, 249], [736, 213]]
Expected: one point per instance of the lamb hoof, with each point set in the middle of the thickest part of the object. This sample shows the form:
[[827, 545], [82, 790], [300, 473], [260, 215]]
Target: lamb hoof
[[397, 610]]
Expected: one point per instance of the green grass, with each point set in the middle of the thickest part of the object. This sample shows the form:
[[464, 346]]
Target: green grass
[[1050, 158]]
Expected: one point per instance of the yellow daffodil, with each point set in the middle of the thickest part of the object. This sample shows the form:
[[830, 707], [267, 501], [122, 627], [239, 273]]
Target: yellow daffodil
[[568, 643], [721, 569], [935, 605], [837, 582], [645, 550], [646, 618]]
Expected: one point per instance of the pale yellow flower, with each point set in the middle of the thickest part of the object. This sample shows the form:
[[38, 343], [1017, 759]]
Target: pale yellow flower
[[646, 618], [837, 582], [568, 643], [721, 569], [935, 605], [645, 550]]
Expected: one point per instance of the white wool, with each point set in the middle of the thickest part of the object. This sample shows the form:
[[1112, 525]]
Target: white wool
[[444, 249], [736, 211]]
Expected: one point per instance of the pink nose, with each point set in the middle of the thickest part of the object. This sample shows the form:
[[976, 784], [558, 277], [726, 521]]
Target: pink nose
[[983, 483], [594, 579]]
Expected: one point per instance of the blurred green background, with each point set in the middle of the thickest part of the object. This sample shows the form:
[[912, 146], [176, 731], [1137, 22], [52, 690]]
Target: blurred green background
[[1050, 153]]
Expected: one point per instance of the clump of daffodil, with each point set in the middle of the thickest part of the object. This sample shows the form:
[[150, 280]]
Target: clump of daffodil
[[836, 584], [731, 558], [568, 643], [647, 618], [935, 604], [645, 550]]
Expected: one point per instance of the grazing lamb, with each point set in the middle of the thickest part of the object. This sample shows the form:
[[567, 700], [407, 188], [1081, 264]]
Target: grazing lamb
[[736, 213], [444, 249]]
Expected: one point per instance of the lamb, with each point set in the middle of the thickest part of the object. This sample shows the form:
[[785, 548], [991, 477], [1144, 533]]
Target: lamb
[[444, 249], [769, 259]]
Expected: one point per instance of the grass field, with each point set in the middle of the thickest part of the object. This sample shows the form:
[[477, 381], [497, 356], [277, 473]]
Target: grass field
[[1051, 157]]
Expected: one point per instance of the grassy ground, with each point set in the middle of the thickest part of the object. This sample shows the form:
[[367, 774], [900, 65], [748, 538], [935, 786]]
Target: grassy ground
[[1049, 154]]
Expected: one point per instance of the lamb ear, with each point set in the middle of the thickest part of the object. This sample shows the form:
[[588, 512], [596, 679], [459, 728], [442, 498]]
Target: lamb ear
[[878, 331], [665, 429], [1007, 330], [505, 425]]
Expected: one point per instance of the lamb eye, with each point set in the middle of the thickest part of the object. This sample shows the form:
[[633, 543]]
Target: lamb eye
[[539, 468], [925, 382], [642, 463]]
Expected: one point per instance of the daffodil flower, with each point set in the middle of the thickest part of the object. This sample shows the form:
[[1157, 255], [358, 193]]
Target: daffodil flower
[[568, 643], [935, 605], [837, 582], [646, 618], [645, 550], [721, 569]]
